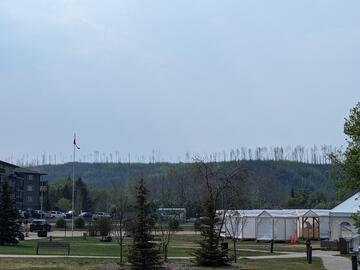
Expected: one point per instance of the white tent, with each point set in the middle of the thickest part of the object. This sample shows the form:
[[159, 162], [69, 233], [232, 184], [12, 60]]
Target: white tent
[[240, 223], [249, 228], [279, 225], [341, 223], [276, 224], [324, 216]]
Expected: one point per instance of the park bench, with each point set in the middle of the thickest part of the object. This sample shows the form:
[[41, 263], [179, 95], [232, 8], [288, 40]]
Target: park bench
[[51, 244]]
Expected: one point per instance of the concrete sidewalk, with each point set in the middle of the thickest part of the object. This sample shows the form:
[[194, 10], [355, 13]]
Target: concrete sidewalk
[[330, 259]]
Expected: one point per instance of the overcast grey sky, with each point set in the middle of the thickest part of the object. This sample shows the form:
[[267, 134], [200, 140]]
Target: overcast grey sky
[[179, 75]]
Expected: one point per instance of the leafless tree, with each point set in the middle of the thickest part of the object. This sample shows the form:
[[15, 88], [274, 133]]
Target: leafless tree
[[235, 221], [167, 229], [217, 181], [119, 210]]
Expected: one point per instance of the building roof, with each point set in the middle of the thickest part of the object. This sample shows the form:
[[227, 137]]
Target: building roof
[[278, 214], [28, 171], [310, 212], [349, 206], [8, 164]]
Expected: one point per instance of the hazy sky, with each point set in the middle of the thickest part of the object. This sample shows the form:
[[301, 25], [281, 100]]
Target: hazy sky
[[179, 75]]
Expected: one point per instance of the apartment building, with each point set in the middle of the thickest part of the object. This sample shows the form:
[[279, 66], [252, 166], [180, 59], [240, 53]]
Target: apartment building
[[29, 189]]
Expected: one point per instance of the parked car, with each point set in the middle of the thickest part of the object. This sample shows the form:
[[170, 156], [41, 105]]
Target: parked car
[[68, 214], [39, 225], [57, 214], [86, 214], [38, 214], [101, 214]]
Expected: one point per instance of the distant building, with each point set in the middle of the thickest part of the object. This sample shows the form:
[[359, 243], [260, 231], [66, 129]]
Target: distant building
[[29, 189], [179, 213]]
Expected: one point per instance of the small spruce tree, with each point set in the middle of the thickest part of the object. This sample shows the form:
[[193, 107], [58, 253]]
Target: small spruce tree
[[143, 254], [9, 217], [210, 253]]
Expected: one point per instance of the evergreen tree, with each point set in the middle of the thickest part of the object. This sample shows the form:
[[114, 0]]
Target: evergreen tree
[[143, 254], [82, 196], [210, 254], [9, 217]]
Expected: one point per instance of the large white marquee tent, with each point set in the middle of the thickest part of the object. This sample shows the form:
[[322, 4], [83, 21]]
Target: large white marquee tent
[[341, 223], [281, 225]]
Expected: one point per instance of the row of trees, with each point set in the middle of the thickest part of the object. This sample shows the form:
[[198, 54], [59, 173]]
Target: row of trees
[[313, 155], [268, 185], [86, 199], [143, 254]]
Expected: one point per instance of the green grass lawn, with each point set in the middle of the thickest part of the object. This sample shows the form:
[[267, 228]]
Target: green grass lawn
[[52, 264], [180, 246], [92, 264], [299, 247]]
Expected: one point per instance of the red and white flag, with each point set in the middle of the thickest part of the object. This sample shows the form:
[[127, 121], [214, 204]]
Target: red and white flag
[[74, 142]]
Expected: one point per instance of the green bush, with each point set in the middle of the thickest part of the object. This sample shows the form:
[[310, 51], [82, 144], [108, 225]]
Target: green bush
[[103, 225], [130, 227], [197, 225], [79, 222], [60, 223], [92, 229]]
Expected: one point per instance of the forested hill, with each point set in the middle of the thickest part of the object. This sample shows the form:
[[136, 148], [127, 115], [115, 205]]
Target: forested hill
[[102, 175], [269, 182], [295, 174]]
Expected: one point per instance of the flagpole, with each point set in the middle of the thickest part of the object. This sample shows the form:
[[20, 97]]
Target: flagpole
[[73, 193]]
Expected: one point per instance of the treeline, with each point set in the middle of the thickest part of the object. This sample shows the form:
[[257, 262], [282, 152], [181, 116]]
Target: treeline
[[266, 184], [312, 155], [87, 198]]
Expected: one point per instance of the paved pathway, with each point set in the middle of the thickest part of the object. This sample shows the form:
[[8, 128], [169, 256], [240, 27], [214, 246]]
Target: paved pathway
[[331, 259]]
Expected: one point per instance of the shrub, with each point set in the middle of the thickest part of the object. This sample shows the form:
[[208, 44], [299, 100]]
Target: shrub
[[60, 223], [79, 222], [92, 229], [103, 225], [197, 225], [129, 226]]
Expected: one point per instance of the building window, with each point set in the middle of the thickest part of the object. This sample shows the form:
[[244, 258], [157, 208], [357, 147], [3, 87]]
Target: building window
[[29, 188], [18, 196], [29, 198], [30, 177]]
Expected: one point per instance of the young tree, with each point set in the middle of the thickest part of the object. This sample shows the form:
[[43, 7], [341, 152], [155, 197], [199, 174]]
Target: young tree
[[119, 209], [235, 222], [63, 204], [216, 182], [9, 217], [143, 254], [210, 253], [167, 229]]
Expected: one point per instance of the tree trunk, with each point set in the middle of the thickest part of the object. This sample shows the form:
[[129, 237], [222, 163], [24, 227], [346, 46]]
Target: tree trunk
[[235, 255], [165, 253], [121, 249]]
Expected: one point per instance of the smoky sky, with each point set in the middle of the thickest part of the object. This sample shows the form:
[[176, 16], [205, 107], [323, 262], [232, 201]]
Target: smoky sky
[[176, 76]]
